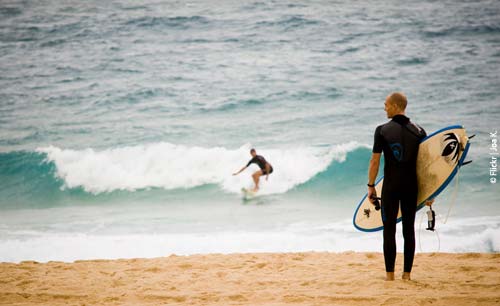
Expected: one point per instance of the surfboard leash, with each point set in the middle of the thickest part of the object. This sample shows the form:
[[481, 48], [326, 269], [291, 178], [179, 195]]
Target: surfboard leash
[[431, 222], [431, 214], [453, 199]]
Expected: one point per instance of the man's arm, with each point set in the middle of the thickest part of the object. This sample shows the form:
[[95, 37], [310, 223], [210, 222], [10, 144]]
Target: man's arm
[[372, 174], [268, 168], [248, 164], [236, 173]]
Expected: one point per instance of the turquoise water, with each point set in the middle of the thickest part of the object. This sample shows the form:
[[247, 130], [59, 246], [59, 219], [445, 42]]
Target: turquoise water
[[121, 123]]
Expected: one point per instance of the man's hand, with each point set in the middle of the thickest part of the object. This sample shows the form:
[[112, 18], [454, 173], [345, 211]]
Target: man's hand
[[236, 173], [372, 193]]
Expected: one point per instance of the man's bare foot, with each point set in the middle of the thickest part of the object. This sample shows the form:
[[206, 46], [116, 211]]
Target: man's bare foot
[[389, 276], [406, 276], [255, 189]]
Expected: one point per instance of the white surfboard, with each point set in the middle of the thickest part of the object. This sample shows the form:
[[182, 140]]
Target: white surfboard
[[440, 155], [248, 194]]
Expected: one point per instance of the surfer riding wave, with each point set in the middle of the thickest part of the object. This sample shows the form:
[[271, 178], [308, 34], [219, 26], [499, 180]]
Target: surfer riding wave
[[265, 168]]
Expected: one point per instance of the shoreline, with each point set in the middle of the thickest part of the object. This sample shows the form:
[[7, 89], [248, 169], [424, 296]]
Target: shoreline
[[307, 278]]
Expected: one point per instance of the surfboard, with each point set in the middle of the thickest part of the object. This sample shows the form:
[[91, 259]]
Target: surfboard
[[440, 155], [248, 193]]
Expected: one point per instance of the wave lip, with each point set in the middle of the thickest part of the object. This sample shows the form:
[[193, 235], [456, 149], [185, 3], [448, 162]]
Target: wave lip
[[170, 166]]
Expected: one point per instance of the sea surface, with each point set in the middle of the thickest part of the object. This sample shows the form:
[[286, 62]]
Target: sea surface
[[121, 122]]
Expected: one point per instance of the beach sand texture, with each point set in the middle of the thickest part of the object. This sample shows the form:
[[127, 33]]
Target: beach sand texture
[[312, 278]]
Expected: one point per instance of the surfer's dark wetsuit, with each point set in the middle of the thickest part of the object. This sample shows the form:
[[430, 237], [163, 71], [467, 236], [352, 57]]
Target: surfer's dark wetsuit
[[399, 140], [261, 162]]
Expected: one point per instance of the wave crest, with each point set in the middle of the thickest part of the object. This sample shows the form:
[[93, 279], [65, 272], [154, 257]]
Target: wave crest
[[170, 166]]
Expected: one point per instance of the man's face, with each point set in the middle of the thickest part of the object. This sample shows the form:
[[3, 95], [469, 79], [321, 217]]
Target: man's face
[[253, 153], [389, 108]]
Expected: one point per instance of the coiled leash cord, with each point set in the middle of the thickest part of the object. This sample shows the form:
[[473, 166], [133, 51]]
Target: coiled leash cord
[[431, 216]]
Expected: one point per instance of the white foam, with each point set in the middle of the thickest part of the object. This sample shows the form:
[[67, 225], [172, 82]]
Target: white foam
[[459, 236], [70, 247], [171, 166]]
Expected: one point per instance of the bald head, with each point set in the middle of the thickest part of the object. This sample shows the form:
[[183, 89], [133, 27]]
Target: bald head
[[395, 104], [398, 99]]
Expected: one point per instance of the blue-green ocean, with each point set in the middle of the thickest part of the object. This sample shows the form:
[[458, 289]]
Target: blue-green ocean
[[121, 122]]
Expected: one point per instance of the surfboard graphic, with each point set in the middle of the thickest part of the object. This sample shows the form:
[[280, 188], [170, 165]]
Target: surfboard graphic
[[440, 155]]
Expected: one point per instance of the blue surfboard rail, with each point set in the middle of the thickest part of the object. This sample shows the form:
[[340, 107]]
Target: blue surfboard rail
[[435, 194]]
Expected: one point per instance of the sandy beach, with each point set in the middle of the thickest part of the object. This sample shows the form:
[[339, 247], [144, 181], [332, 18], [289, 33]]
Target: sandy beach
[[254, 279]]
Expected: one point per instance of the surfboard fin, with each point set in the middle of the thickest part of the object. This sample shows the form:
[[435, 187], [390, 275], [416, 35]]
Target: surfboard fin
[[466, 163], [465, 141]]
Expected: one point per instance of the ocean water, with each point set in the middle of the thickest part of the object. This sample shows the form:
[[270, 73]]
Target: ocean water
[[121, 122]]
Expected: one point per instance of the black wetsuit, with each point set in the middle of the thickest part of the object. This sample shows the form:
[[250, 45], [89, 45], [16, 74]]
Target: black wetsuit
[[261, 162], [399, 140]]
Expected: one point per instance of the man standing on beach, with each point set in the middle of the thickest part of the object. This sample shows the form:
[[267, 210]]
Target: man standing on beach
[[265, 168], [399, 140]]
